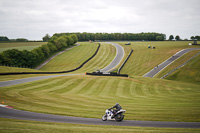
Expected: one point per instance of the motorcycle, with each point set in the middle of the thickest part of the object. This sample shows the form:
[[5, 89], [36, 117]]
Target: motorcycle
[[109, 115]]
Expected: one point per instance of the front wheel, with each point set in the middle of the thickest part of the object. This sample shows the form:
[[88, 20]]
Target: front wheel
[[104, 118], [119, 117]]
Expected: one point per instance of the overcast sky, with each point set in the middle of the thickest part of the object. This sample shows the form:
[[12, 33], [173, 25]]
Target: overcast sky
[[32, 19]]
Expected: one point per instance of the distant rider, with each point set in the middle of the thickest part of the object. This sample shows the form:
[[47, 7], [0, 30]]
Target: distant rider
[[118, 107]]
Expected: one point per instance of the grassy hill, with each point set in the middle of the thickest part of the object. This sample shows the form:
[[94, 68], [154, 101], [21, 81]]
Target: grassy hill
[[89, 96], [188, 73], [76, 56], [144, 59], [151, 99], [72, 58]]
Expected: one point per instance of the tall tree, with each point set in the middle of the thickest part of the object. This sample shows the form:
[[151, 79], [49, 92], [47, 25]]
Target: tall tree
[[4, 38], [192, 37], [177, 38], [197, 37], [46, 38], [171, 37]]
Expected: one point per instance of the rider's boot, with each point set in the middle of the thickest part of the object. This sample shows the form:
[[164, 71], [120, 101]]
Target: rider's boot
[[113, 115]]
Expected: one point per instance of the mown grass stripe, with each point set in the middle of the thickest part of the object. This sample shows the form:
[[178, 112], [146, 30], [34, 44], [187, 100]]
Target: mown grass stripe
[[143, 98], [68, 86]]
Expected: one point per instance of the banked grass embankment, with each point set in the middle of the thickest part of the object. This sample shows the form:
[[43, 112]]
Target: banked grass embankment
[[64, 62], [188, 73], [103, 58], [56, 72], [177, 63], [22, 126], [72, 58], [67, 61], [86, 96], [144, 59]]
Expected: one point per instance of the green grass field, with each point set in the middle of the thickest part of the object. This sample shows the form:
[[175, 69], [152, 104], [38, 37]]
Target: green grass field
[[89, 96], [178, 62], [73, 59], [13, 126], [4, 69], [76, 56], [144, 59], [188, 73], [20, 45], [151, 99]]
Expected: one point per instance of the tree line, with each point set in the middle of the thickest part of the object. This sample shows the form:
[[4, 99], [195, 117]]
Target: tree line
[[31, 59], [177, 38], [6, 39], [195, 37], [119, 36]]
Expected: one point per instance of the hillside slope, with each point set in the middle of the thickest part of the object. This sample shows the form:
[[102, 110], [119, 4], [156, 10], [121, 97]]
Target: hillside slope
[[188, 73]]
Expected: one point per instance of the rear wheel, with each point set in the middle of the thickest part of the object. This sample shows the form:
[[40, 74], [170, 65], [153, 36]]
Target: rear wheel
[[104, 118], [119, 117]]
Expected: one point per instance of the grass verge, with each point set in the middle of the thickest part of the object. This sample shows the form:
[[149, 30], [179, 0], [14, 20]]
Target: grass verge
[[22, 126]]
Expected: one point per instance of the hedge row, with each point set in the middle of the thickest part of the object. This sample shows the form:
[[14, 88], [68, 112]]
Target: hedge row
[[118, 36], [31, 59]]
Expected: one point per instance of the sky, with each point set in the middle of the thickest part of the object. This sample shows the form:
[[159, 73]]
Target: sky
[[33, 19]]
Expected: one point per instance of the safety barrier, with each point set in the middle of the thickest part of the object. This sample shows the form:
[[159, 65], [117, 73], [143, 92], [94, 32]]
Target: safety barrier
[[107, 74], [125, 61]]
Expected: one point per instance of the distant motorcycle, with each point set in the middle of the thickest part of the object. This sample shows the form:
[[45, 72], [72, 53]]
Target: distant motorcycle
[[109, 115]]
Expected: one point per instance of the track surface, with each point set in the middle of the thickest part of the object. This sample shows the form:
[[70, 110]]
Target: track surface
[[25, 115], [25, 80], [161, 66], [119, 56]]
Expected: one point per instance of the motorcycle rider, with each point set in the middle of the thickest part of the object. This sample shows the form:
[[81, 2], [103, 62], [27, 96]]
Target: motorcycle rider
[[118, 107]]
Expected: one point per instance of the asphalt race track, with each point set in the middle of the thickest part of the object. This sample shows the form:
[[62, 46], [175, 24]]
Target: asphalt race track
[[25, 80], [25, 115], [119, 56], [161, 66]]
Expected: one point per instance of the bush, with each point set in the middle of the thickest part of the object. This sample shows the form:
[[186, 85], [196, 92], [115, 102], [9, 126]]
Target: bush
[[39, 54], [70, 40], [45, 50], [61, 42], [74, 37], [52, 47]]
